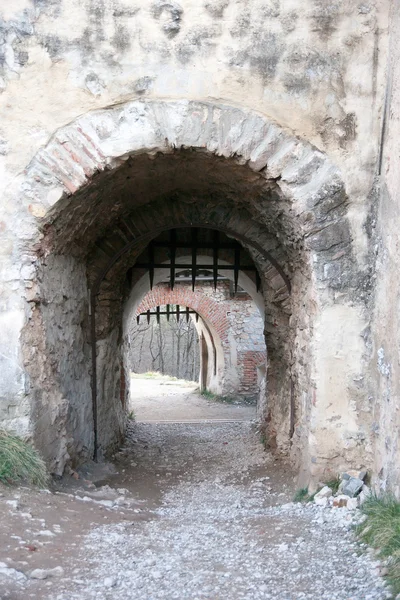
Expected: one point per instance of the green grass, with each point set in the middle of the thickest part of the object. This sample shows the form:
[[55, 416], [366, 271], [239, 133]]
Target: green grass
[[263, 439], [151, 375], [301, 495], [227, 399], [163, 379], [334, 485], [20, 462], [381, 530], [216, 398]]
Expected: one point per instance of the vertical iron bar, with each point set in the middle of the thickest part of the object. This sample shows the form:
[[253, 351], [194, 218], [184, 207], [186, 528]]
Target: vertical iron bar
[[148, 317], [194, 256], [151, 261], [215, 258], [168, 313], [94, 372], [173, 255], [187, 314], [138, 319], [177, 313], [197, 317], [292, 410], [258, 281], [158, 315]]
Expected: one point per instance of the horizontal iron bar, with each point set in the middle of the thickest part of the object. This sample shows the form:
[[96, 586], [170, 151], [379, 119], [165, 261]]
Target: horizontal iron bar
[[187, 267], [171, 312], [198, 279], [202, 245]]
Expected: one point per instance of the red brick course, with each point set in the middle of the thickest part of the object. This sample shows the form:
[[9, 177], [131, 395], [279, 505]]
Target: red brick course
[[208, 309]]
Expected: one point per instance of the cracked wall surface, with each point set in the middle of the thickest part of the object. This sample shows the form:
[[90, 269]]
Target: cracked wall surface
[[384, 339], [254, 114]]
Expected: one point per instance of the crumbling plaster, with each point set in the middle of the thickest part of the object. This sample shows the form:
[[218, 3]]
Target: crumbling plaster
[[315, 70], [384, 337], [318, 73]]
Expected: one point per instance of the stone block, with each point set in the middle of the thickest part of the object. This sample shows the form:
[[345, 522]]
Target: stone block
[[321, 498], [352, 486]]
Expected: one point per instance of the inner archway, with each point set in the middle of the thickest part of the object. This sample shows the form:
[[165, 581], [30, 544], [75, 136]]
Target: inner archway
[[113, 181], [228, 325]]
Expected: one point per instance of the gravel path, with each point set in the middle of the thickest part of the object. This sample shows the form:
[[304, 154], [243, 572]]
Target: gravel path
[[224, 529], [163, 399]]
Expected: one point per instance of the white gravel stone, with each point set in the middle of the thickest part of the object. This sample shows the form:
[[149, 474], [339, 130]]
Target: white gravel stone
[[46, 573], [110, 582], [7, 572], [39, 574], [218, 533], [321, 498]]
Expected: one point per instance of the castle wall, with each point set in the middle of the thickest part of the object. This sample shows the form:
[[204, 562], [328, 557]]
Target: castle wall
[[311, 75]]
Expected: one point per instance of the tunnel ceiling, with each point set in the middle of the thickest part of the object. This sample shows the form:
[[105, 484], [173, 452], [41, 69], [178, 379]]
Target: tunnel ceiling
[[103, 213]]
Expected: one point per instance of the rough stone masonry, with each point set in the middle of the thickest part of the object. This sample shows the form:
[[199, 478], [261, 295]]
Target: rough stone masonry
[[274, 123]]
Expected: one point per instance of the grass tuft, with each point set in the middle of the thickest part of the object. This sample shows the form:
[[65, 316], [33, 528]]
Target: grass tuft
[[228, 399], [381, 530], [216, 398], [301, 495], [334, 485], [20, 462]]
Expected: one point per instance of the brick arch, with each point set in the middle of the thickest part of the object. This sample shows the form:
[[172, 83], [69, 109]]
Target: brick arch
[[158, 217], [209, 310], [235, 369], [103, 139], [213, 326]]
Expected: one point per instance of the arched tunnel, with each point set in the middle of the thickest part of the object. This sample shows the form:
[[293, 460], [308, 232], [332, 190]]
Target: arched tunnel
[[113, 216]]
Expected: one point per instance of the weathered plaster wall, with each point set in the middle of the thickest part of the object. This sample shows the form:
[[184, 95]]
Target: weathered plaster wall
[[317, 72], [316, 69], [57, 357], [385, 339], [298, 212]]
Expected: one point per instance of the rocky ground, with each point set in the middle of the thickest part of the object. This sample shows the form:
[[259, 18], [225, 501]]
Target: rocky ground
[[186, 511], [162, 398]]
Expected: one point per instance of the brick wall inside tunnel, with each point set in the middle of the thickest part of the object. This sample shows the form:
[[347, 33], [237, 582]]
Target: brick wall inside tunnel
[[234, 322]]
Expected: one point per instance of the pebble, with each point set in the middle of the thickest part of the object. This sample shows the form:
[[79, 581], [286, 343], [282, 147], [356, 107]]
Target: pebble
[[219, 533], [46, 573], [110, 582], [10, 573]]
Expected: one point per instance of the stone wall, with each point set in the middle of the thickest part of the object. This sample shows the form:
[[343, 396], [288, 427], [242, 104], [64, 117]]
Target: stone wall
[[258, 118], [384, 369]]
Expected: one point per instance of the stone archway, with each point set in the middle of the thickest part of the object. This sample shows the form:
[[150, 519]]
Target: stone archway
[[82, 222]]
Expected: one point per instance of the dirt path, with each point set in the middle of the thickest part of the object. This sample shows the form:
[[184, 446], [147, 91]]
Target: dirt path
[[165, 399], [187, 511]]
